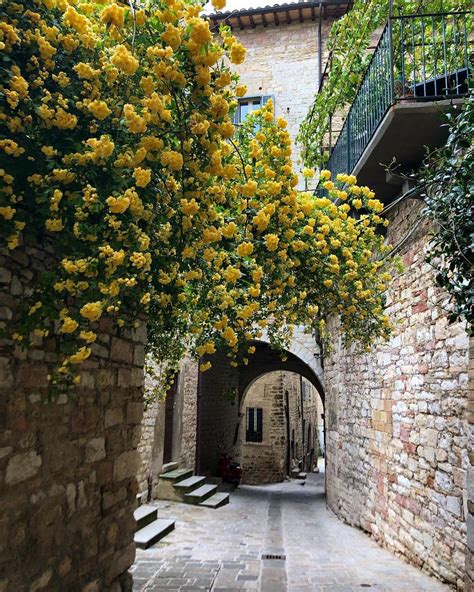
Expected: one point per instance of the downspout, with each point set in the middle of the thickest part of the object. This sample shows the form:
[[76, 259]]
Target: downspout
[[288, 434], [320, 43], [303, 447]]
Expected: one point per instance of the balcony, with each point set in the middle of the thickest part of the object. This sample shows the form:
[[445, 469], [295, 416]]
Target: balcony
[[420, 67]]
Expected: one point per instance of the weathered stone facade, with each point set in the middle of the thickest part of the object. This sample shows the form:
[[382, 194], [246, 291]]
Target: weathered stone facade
[[283, 61], [397, 434], [67, 467], [283, 442], [151, 446]]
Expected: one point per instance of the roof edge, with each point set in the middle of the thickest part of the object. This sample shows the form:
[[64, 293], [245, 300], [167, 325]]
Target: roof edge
[[220, 16]]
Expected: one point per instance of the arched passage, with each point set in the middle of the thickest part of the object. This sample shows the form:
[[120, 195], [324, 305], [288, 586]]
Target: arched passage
[[222, 388], [280, 431]]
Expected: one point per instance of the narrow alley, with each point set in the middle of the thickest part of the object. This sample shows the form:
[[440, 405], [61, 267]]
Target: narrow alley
[[223, 550]]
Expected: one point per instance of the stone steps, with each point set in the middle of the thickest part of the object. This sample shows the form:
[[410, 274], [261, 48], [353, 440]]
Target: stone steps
[[180, 485], [144, 515], [154, 532], [190, 484], [216, 501], [176, 475], [200, 494]]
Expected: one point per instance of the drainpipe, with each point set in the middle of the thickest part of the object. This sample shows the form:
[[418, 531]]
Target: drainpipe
[[303, 467], [320, 42], [288, 434]]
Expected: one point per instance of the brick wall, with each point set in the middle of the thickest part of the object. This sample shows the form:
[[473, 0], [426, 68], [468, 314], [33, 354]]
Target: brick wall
[[67, 467], [397, 433]]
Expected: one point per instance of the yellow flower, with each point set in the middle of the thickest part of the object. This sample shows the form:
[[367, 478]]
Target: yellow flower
[[244, 249], [69, 325], [271, 241], [308, 173], [118, 205], [82, 354], [86, 71], [172, 159], [232, 274], [88, 336], [75, 20], [205, 367], [142, 176], [54, 224], [125, 60], [7, 212], [113, 15], [92, 311], [227, 129], [218, 4], [325, 175], [99, 109], [237, 53]]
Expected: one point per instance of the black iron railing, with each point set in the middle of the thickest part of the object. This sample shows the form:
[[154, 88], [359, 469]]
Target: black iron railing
[[418, 58]]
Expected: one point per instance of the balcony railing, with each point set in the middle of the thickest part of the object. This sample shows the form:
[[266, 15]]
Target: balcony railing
[[418, 58]]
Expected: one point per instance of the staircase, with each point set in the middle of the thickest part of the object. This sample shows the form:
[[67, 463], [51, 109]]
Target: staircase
[[180, 485], [150, 528]]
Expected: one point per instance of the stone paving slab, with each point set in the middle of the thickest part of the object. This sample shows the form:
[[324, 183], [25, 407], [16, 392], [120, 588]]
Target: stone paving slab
[[221, 551]]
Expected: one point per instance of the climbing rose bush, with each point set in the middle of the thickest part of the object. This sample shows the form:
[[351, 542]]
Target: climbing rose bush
[[118, 151]]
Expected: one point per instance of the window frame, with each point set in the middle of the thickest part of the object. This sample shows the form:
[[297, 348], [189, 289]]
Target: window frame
[[254, 434], [263, 100]]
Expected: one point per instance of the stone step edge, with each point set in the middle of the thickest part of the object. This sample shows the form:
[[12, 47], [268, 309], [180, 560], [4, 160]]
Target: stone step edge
[[144, 515], [154, 532], [199, 480], [201, 494], [222, 500]]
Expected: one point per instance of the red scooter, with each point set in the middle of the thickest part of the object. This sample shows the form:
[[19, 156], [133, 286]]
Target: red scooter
[[229, 470]]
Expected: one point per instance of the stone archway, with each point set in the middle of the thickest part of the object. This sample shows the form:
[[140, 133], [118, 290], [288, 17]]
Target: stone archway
[[221, 389]]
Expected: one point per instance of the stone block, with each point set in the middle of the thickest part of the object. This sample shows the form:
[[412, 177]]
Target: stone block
[[120, 563], [121, 351], [126, 465], [113, 416], [22, 466], [95, 450]]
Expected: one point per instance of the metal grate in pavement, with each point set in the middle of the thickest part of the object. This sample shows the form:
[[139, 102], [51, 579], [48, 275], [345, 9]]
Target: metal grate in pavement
[[274, 557]]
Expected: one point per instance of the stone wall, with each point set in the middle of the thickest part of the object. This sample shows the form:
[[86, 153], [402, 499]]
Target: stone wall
[[218, 413], [283, 61], [151, 445], [67, 467], [397, 433], [469, 586], [266, 461]]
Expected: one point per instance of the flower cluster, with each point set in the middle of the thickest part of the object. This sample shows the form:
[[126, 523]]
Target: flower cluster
[[119, 144]]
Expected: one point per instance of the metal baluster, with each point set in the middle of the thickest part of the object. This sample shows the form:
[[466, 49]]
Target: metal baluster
[[435, 74], [455, 61], [423, 52], [402, 57], [443, 22], [413, 50], [465, 45]]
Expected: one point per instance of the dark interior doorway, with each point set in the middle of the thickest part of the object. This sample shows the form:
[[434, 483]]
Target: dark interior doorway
[[170, 403]]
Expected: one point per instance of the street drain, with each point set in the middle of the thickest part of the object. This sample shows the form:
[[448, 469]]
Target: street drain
[[366, 585], [274, 557]]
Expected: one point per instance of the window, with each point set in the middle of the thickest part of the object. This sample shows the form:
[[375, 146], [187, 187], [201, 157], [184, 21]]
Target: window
[[254, 424], [249, 104]]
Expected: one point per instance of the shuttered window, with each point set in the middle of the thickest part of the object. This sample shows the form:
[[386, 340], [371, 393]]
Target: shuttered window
[[254, 424]]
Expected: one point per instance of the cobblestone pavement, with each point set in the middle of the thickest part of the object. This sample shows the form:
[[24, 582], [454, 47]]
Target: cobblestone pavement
[[221, 550]]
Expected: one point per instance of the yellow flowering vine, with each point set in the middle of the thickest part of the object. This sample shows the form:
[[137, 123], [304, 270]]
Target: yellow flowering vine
[[118, 150]]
